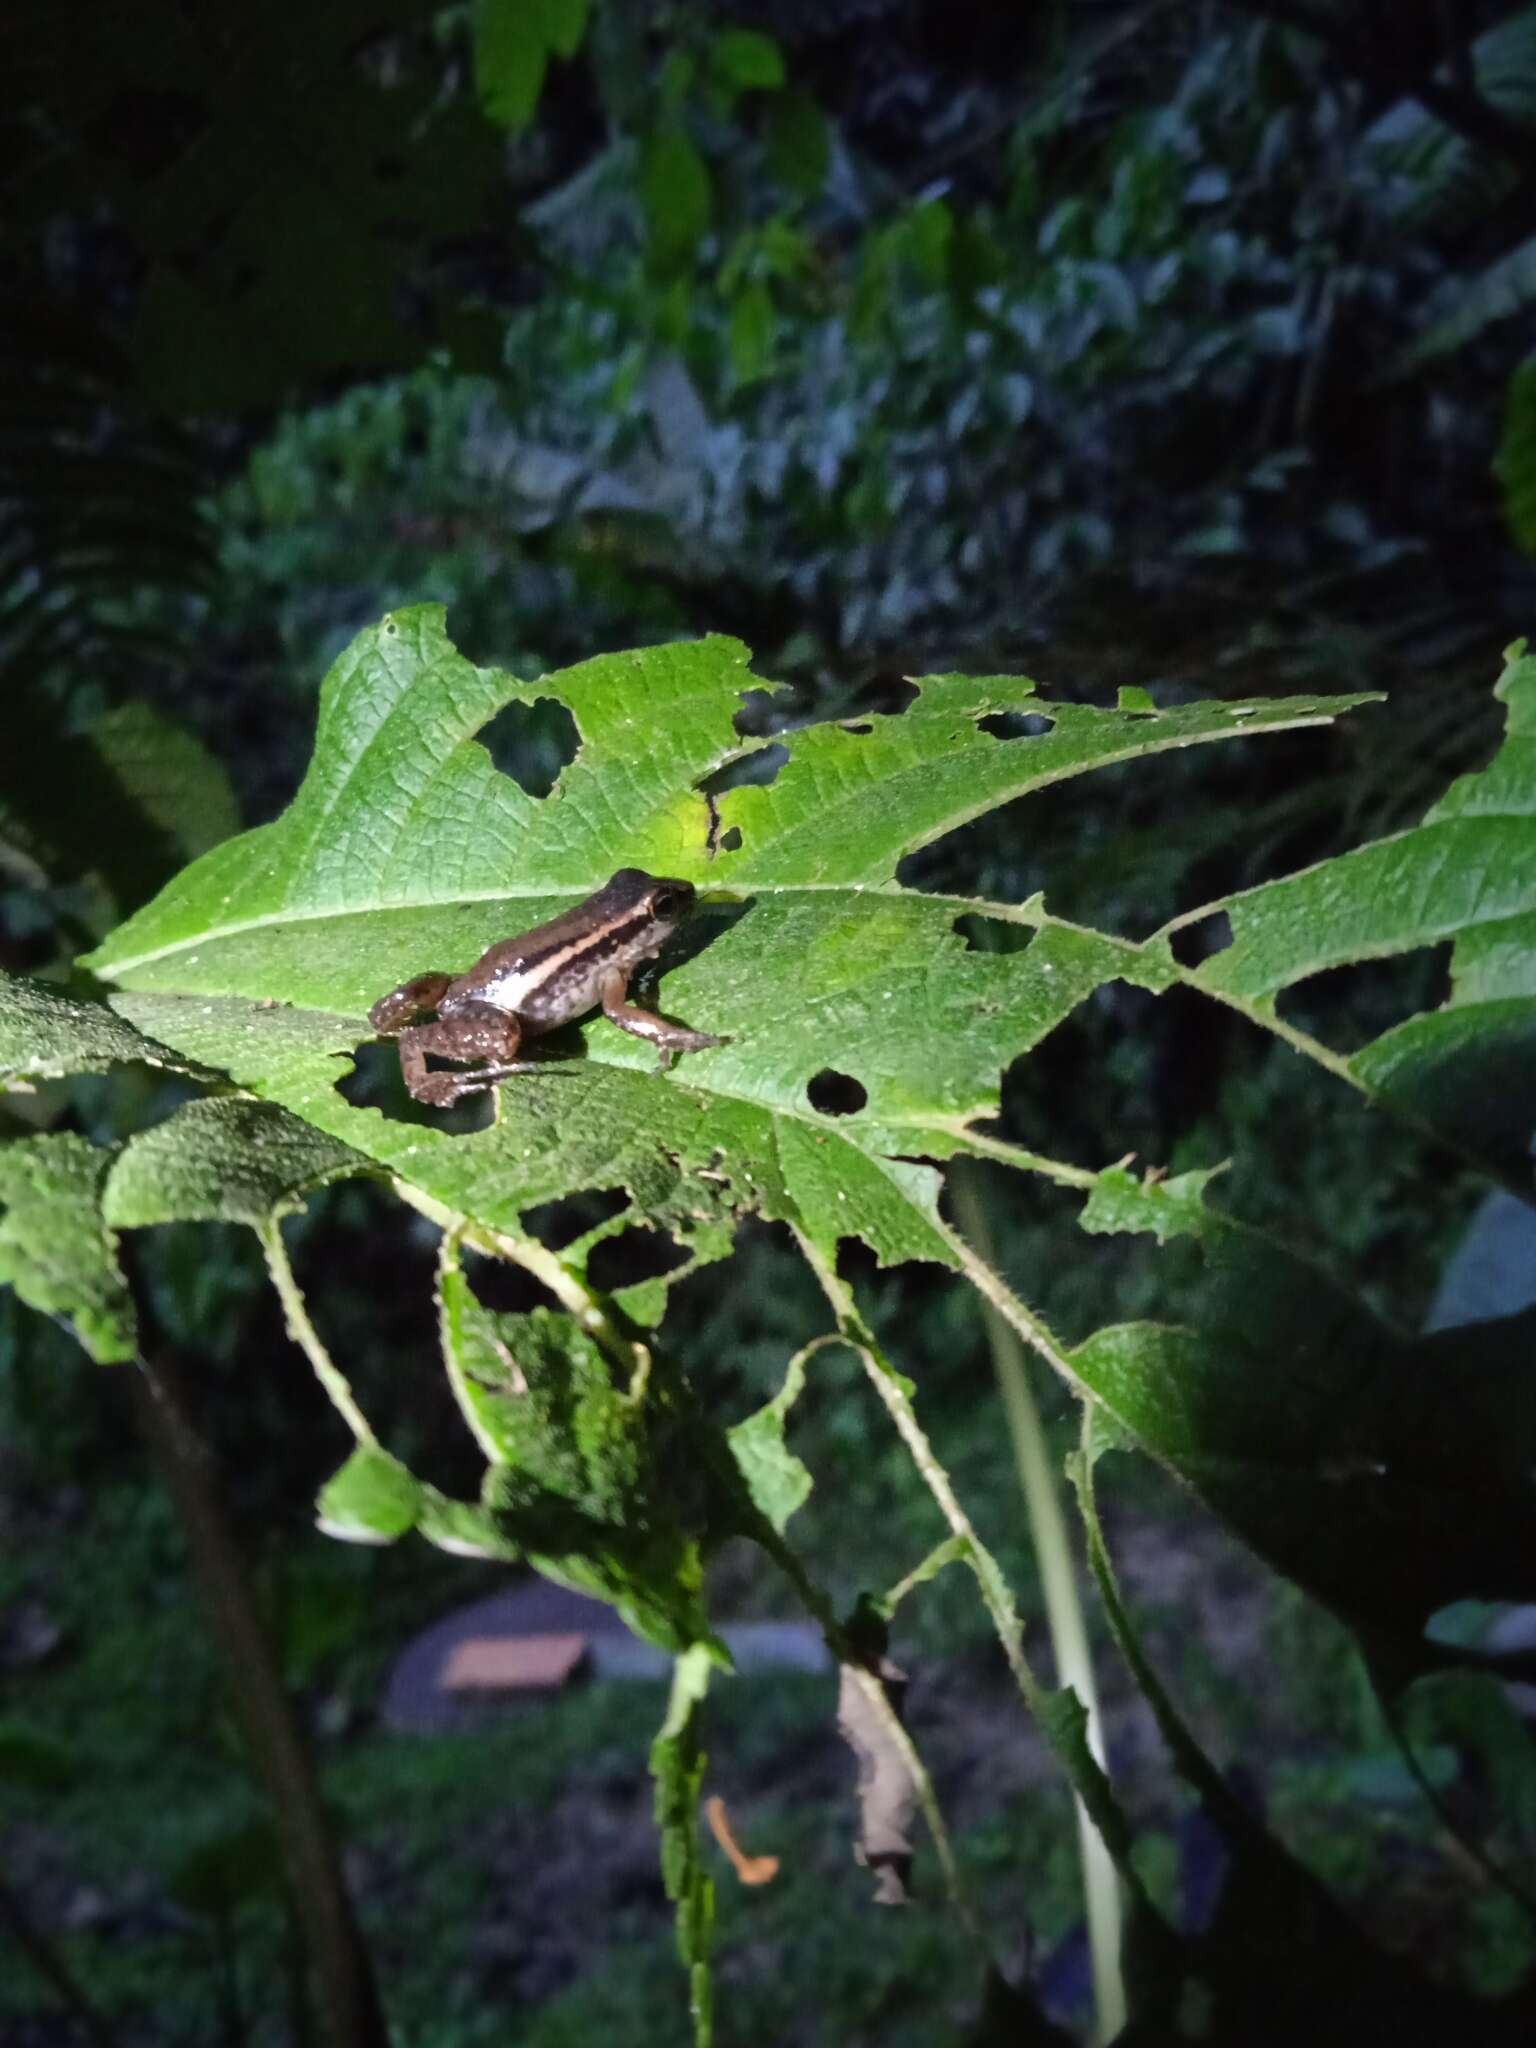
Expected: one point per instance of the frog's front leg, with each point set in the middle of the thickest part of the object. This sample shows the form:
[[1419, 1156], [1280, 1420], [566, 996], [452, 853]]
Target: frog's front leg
[[478, 1031], [672, 1038], [393, 1012]]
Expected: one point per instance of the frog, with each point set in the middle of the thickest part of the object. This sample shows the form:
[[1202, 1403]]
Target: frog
[[522, 987]]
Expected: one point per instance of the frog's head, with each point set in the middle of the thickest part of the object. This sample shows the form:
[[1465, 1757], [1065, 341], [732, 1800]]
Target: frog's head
[[664, 899]]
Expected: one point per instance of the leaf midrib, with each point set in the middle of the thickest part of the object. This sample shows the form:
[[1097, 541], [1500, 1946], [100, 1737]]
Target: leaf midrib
[[1014, 913]]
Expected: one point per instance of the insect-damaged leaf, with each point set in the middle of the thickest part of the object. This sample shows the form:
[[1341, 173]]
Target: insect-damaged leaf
[[777, 1481], [405, 850], [598, 1487], [1467, 873], [55, 1247], [226, 1161], [677, 1765], [46, 1034]]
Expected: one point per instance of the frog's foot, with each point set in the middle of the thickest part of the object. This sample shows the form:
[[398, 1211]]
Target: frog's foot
[[670, 1038]]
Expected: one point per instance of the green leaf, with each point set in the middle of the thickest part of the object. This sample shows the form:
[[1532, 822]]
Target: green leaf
[[1515, 462], [514, 40], [55, 1249], [1330, 1442], [798, 141], [599, 1488], [930, 230], [45, 1035], [565, 25], [751, 333], [375, 1498], [675, 193], [177, 786], [223, 1161], [1064, 1723], [1468, 874], [372, 1499], [405, 851], [747, 59], [677, 1765], [128, 801], [777, 1480]]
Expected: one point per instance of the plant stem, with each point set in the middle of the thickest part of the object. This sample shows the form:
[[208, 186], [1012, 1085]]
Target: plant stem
[[345, 1990], [887, 1384], [1063, 1606], [1196, 1767], [307, 1337]]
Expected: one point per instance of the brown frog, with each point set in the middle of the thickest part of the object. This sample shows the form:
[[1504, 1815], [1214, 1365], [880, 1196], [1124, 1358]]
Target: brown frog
[[521, 987]]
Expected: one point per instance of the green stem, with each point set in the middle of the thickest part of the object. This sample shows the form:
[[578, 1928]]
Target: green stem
[[1198, 1770], [307, 1337], [1063, 1607], [547, 1267], [452, 1351], [887, 1384], [1057, 1170]]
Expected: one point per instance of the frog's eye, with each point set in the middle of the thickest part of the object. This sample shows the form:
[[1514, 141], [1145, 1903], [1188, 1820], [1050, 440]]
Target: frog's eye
[[670, 901]]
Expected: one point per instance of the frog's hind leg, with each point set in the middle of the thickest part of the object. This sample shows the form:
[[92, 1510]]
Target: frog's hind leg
[[479, 1031]]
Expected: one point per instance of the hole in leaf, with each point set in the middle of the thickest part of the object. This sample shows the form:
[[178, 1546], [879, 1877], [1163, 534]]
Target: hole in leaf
[[836, 1094], [730, 839], [984, 934], [890, 694], [1015, 725], [634, 1255], [857, 726], [857, 1263], [758, 769], [1207, 936], [505, 1289], [533, 743], [760, 711], [1349, 1006], [375, 1083], [559, 1223]]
